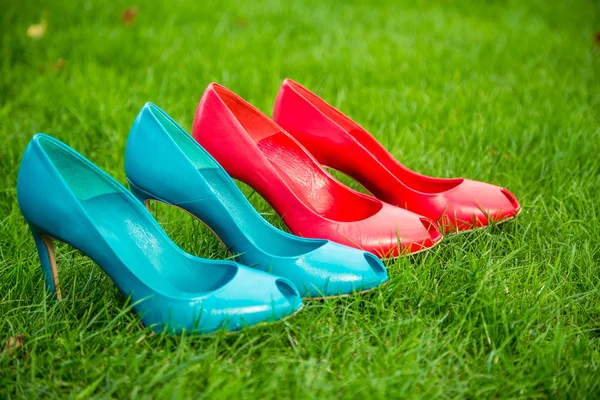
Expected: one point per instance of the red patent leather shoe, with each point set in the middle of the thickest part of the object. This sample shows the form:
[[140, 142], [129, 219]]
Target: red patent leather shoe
[[338, 142], [255, 150]]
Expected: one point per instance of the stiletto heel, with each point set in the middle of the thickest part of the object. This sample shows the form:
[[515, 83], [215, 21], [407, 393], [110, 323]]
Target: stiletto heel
[[65, 197], [164, 163], [45, 249], [333, 139]]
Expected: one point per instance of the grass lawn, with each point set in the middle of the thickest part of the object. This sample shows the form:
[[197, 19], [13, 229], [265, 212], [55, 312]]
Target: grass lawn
[[507, 92]]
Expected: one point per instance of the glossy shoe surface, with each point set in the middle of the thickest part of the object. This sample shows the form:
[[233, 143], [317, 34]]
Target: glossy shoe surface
[[164, 163], [255, 150], [340, 143], [64, 196]]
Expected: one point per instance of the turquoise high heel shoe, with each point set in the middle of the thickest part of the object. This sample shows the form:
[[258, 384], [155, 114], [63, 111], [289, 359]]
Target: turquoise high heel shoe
[[64, 196], [164, 163]]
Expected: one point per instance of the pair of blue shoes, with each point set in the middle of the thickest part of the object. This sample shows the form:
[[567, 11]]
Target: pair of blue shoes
[[65, 197]]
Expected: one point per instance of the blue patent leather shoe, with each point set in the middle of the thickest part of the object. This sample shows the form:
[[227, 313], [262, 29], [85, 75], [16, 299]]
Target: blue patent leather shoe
[[164, 163], [64, 196]]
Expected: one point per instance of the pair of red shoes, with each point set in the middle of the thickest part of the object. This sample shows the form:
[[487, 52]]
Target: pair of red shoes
[[282, 160]]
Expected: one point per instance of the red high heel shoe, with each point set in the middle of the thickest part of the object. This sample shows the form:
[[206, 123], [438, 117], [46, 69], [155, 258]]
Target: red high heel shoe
[[255, 150], [340, 143]]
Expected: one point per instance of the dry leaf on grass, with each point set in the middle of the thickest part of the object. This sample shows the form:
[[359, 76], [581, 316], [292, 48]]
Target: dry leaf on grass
[[60, 64], [13, 344], [37, 31], [128, 17]]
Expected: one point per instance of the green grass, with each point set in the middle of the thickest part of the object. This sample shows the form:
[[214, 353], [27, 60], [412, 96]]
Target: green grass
[[506, 92]]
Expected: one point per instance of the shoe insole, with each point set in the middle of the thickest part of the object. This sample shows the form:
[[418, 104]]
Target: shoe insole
[[148, 252], [312, 185]]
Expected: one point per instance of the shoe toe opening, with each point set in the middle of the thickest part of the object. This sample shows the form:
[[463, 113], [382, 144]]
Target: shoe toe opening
[[288, 291], [377, 266], [511, 198], [432, 229]]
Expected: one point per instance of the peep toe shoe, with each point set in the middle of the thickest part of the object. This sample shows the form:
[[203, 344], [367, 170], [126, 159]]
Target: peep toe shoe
[[65, 197], [164, 163], [335, 140]]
